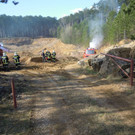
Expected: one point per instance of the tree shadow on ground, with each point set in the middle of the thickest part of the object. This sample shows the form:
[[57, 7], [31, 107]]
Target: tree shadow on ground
[[21, 67], [76, 110], [81, 113]]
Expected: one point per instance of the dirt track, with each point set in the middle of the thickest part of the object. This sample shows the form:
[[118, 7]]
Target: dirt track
[[61, 99], [66, 105]]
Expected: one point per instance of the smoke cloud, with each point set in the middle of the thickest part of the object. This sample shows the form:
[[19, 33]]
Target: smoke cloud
[[96, 23]]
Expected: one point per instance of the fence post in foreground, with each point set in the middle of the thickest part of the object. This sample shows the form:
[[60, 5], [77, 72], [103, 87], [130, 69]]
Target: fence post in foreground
[[131, 72], [13, 93]]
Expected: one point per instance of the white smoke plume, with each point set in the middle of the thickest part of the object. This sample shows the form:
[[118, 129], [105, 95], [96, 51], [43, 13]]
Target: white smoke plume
[[96, 41], [96, 32], [96, 23]]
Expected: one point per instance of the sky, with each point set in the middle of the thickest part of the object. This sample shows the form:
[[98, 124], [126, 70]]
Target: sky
[[52, 8]]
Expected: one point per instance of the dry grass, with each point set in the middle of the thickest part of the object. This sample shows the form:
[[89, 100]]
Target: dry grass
[[13, 121]]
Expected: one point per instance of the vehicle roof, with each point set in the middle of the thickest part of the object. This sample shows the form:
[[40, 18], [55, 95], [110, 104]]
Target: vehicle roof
[[90, 49]]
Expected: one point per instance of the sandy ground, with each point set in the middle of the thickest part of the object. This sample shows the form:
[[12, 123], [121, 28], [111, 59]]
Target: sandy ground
[[63, 99]]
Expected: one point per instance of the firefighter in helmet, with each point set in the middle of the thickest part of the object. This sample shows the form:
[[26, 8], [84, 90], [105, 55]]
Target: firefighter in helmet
[[43, 56], [5, 61], [53, 56], [48, 55], [16, 58]]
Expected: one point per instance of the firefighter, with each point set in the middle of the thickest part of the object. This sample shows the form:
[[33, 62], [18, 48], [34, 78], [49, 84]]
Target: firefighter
[[53, 56], [48, 55], [16, 58], [5, 61], [43, 56]]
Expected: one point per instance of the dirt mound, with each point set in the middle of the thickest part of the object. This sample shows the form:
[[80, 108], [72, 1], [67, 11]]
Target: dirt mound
[[33, 59], [69, 59], [132, 53], [36, 59], [121, 52], [16, 41], [55, 44], [125, 41], [43, 41], [106, 66]]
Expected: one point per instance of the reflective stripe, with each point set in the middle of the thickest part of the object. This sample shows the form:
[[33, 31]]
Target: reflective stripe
[[16, 59], [54, 54], [4, 60]]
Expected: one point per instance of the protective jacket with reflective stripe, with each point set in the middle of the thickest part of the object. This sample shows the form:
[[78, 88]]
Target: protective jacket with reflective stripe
[[16, 59], [53, 54], [4, 59]]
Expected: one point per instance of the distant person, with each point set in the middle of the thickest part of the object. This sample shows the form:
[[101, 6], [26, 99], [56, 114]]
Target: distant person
[[43, 56], [48, 55], [1, 54], [5, 61], [53, 56], [0, 59], [16, 58]]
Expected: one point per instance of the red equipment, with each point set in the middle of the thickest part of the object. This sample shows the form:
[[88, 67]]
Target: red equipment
[[88, 52]]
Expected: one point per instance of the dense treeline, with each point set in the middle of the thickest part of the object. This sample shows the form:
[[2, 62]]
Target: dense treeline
[[122, 25], [118, 22], [29, 26], [75, 28]]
